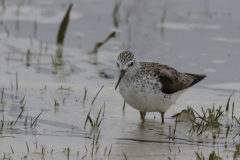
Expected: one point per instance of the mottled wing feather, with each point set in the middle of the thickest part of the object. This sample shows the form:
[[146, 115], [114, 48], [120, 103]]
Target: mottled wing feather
[[172, 80]]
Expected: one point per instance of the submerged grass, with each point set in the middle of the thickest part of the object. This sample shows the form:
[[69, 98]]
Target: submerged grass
[[19, 116], [62, 31], [93, 144], [203, 122], [110, 150], [237, 152], [227, 106], [16, 81], [99, 44], [85, 95], [35, 120], [124, 155], [97, 94], [11, 148], [2, 121], [3, 5], [3, 103], [22, 100], [115, 14], [7, 32], [55, 102], [124, 105], [163, 20], [27, 146], [94, 123], [212, 156]]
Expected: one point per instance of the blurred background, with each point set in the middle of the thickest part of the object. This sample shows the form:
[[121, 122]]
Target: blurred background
[[196, 36]]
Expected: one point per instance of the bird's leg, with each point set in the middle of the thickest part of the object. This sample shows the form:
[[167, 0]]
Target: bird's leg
[[143, 114], [162, 115]]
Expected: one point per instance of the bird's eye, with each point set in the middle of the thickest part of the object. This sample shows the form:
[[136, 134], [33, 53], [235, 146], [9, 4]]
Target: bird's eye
[[118, 64], [131, 64]]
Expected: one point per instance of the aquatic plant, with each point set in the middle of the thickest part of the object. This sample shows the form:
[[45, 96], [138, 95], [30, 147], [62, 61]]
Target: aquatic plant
[[62, 31], [99, 44]]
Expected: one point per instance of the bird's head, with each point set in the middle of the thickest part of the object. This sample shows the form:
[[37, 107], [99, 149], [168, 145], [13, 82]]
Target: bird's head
[[125, 62]]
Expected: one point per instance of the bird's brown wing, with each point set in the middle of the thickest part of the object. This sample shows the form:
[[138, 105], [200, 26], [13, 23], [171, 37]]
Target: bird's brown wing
[[172, 80]]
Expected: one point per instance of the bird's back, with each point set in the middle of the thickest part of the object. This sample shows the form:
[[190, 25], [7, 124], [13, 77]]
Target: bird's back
[[172, 81]]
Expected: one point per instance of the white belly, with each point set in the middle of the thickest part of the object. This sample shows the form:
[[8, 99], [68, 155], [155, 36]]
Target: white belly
[[145, 98]]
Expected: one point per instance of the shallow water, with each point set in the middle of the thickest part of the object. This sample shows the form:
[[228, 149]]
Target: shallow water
[[198, 37]]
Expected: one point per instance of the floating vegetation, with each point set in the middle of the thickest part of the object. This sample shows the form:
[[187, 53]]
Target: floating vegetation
[[62, 31], [99, 44]]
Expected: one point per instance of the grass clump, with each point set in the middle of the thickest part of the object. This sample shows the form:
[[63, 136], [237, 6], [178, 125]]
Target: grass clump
[[94, 123], [201, 123]]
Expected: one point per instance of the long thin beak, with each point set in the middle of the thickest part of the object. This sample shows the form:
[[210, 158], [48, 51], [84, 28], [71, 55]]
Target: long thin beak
[[122, 73]]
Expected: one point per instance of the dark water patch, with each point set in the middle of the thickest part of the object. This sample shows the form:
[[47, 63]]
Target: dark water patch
[[221, 145]]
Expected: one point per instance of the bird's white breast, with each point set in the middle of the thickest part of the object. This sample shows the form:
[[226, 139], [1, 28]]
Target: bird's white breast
[[145, 94]]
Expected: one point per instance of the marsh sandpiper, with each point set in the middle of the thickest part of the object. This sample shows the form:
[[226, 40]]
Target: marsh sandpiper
[[150, 86]]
